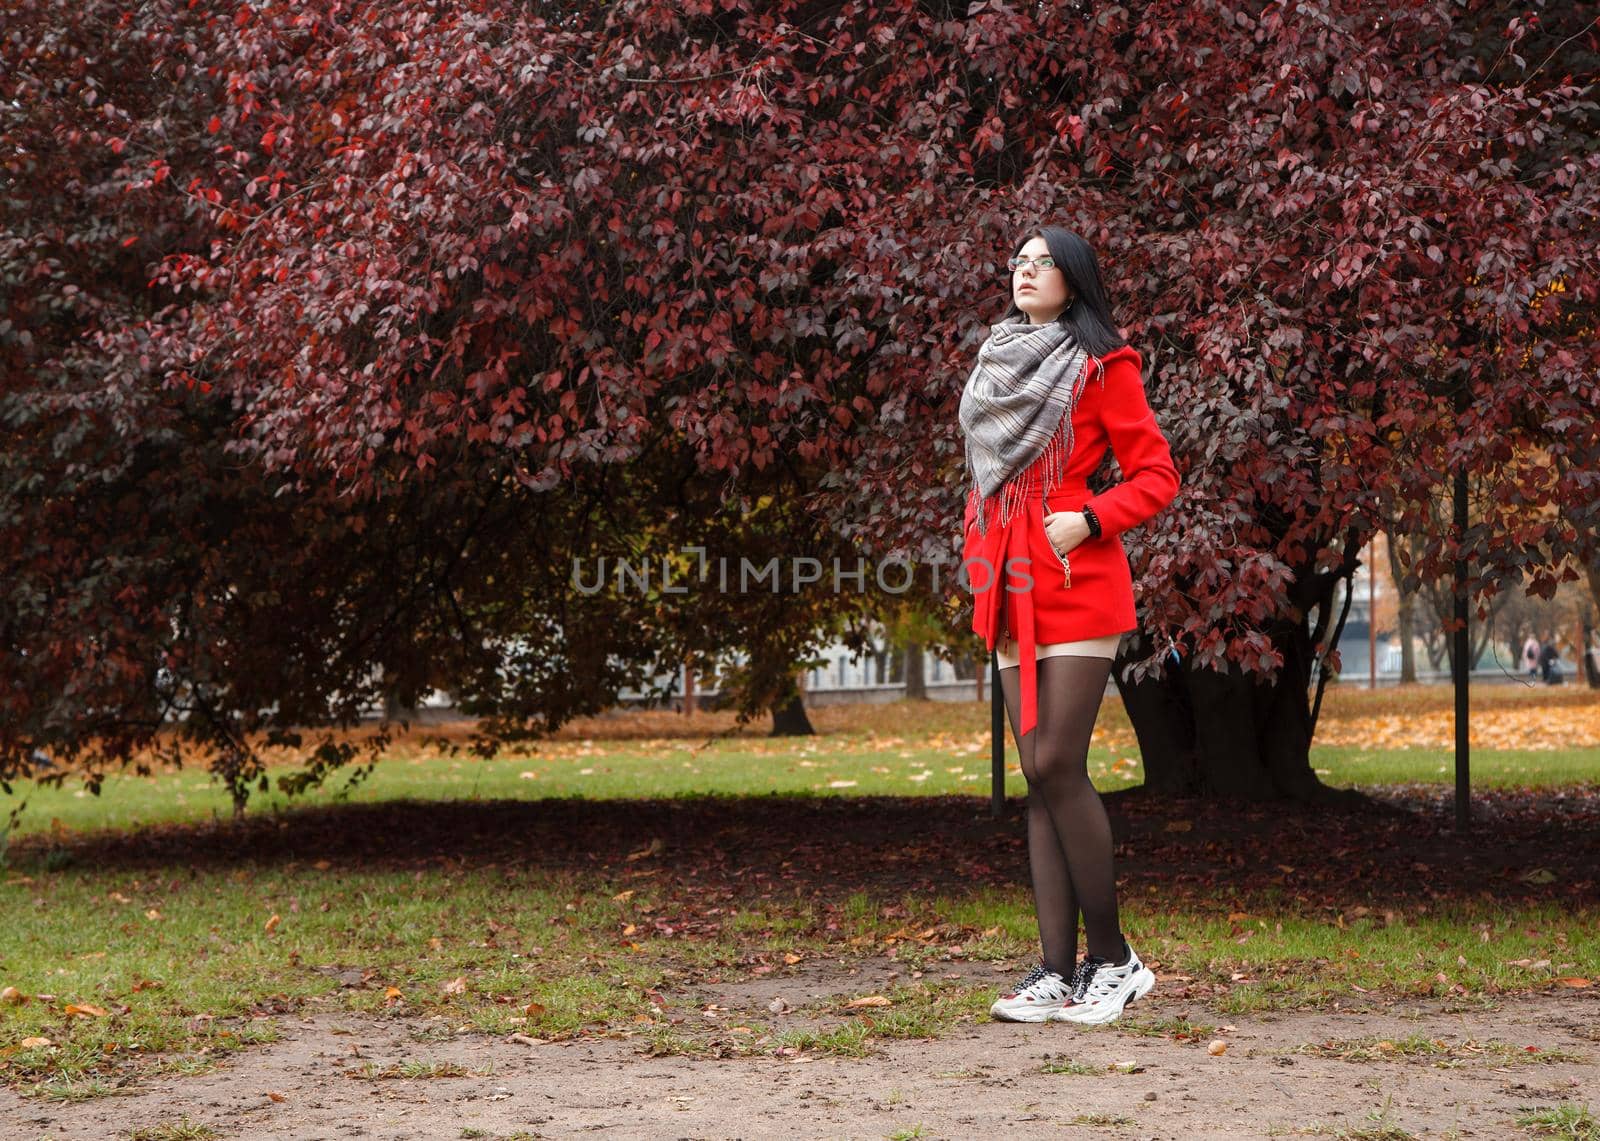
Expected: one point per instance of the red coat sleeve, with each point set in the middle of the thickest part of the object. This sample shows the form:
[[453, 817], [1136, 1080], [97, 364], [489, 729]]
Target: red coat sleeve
[[1149, 477]]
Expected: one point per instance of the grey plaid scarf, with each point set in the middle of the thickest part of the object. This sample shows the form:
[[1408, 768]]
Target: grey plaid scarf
[[1026, 379]]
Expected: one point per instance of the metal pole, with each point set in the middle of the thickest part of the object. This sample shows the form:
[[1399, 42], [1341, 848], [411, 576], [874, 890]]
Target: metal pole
[[1463, 768], [997, 741], [1372, 612]]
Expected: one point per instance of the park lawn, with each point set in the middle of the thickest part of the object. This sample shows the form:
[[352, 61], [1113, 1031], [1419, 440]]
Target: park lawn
[[175, 962], [627, 770], [168, 963]]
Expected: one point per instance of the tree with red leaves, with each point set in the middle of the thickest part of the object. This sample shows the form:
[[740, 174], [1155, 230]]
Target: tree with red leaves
[[334, 333]]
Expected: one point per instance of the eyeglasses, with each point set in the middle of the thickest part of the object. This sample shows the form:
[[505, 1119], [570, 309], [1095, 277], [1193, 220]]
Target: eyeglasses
[[1015, 264]]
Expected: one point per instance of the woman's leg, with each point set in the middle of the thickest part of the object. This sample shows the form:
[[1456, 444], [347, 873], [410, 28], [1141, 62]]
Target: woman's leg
[[1070, 689], [1053, 899]]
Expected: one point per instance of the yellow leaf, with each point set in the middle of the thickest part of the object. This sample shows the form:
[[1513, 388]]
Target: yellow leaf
[[1574, 982], [84, 1009], [457, 985], [31, 1043], [153, 913], [391, 992], [869, 1000], [272, 924], [623, 896], [1217, 1047], [791, 958]]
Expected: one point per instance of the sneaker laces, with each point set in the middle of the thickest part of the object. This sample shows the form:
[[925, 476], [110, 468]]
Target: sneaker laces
[[1083, 976], [1088, 972], [1038, 974]]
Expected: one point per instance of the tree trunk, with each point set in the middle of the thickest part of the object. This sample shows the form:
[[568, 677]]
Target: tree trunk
[[1408, 653], [789, 716], [1230, 735], [916, 675], [396, 710]]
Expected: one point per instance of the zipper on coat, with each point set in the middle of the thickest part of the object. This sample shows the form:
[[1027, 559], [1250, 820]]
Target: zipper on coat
[[1066, 567]]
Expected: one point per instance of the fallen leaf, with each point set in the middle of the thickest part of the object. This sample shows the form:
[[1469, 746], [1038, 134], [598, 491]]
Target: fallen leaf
[[1572, 982], [457, 985], [869, 1000], [272, 924], [84, 1009], [1217, 1047], [31, 1043]]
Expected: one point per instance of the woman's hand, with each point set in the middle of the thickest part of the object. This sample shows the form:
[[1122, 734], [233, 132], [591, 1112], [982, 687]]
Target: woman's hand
[[1065, 530]]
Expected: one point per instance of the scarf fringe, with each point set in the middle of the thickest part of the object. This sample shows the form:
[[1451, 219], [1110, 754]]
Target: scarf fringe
[[1039, 477]]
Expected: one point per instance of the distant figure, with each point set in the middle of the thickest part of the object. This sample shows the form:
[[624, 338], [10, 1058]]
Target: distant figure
[[1530, 655], [1591, 659], [1549, 666]]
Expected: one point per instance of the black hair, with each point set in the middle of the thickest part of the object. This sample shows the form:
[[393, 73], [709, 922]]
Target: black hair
[[1089, 314]]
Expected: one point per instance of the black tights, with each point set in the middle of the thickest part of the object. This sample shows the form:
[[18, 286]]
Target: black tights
[[1069, 836]]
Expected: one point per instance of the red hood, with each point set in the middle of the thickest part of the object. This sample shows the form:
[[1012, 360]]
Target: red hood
[[1124, 352]]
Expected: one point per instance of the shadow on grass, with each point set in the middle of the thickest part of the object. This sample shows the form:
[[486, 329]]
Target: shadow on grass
[[1398, 845]]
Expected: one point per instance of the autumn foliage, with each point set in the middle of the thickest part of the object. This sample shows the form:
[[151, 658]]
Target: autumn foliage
[[333, 332]]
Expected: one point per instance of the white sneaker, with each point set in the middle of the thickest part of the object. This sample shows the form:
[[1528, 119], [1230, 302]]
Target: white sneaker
[[1102, 990], [1037, 998]]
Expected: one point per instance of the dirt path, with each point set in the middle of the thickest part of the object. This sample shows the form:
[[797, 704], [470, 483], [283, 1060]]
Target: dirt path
[[985, 1079]]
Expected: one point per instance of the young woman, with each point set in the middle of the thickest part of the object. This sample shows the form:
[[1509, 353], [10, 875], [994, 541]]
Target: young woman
[[1053, 385]]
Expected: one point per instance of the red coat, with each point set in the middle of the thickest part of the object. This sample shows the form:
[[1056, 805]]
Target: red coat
[[1043, 598]]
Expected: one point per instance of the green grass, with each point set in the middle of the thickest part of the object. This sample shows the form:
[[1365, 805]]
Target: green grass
[[175, 966], [1570, 1122], [723, 768], [1345, 766]]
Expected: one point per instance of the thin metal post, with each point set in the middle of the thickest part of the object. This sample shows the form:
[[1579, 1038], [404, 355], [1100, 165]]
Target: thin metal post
[[1462, 666], [997, 740]]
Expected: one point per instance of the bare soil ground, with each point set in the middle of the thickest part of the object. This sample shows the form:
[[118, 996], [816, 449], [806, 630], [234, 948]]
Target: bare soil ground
[[985, 1079], [1456, 1065]]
